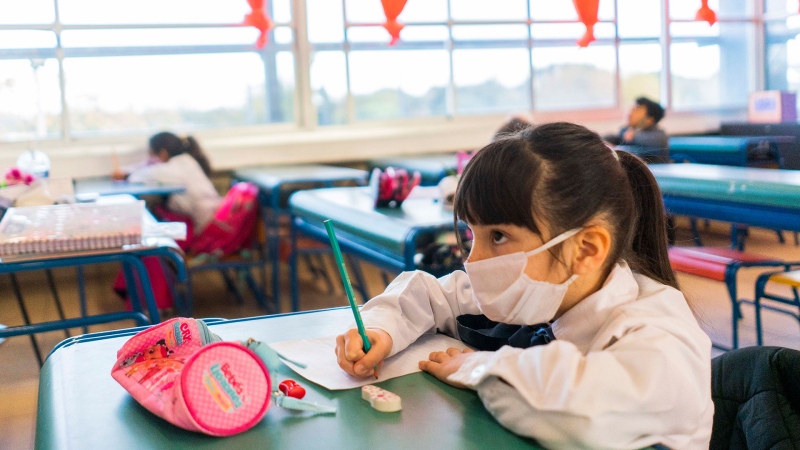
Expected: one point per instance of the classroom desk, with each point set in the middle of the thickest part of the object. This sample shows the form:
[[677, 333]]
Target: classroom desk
[[739, 151], [275, 184], [387, 237], [790, 154], [93, 187], [80, 406], [432, 168], [130, 257], [768, 198]]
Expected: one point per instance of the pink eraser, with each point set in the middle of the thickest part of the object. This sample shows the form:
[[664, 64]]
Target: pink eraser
[[380, 399]]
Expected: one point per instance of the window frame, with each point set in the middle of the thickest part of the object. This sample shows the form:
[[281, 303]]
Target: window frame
[[304, 111]]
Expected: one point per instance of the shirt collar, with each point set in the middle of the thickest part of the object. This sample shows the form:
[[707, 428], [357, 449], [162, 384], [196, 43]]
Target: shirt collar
[[583, 321]]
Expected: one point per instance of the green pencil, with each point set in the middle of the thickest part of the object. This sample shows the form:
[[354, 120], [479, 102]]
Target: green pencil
[[348, 287]]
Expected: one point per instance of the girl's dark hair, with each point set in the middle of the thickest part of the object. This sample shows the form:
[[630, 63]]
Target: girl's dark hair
[[513, 125], [175, 146], [564, 175]]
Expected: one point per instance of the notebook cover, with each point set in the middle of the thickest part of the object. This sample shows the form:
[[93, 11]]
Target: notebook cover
[[70, 228]]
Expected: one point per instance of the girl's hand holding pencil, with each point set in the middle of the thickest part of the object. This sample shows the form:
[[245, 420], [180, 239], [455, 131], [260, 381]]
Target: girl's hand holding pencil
[[350, 352]]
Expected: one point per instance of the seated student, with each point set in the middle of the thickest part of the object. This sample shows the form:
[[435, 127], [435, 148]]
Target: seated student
[[175, 161], [569, 266], [643, 130], [181, 162]]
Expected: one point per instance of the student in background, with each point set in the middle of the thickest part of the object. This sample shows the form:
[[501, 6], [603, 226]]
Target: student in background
[[175, 161], [181, 162], [642, 128], [569, 269]]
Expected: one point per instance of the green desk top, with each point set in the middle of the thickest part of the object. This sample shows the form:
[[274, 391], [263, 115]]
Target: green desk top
[[268, 178], [714, 144], [767, 187], [352, 211], [82, 407]]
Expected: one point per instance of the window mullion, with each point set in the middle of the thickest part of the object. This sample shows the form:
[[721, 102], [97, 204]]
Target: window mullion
[[62, 81], [305, 115], [666, 44]]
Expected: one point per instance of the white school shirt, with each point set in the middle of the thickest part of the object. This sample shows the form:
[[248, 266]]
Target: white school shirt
[[200, 201], [630, 366]]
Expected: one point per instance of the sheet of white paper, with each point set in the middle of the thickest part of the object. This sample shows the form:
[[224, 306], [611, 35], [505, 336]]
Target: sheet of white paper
[[321, 366]]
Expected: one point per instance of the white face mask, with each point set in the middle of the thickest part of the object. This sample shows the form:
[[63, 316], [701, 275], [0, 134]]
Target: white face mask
[[504, 292]]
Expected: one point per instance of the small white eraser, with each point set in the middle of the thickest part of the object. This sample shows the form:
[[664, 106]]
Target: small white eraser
[[381, 399]]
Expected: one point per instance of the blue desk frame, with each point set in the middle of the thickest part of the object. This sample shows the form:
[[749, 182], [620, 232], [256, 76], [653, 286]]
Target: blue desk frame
[[131, 259], [272, 182]]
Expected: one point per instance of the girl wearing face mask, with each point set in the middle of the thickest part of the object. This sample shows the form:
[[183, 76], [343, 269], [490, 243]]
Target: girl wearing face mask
[[583, 338]]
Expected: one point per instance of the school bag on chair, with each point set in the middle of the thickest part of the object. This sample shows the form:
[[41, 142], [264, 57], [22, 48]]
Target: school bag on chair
[[233, 223], [188, 376]]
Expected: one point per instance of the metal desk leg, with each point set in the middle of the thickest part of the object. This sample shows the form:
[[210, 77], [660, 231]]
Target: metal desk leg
[[292, 272], [385, 278], [359, 276], [82, 295], [273, 233], [265, 248], [132, 285], [52, 283], [25, 317]]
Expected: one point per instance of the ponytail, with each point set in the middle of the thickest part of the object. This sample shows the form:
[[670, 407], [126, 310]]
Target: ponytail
[[175, 145], [194, 150], [648, 253]]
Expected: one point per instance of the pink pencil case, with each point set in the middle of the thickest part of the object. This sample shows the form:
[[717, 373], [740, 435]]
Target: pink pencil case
[[186, 375]]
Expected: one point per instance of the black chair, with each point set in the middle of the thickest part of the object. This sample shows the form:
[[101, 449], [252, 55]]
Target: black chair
[[756, 392]]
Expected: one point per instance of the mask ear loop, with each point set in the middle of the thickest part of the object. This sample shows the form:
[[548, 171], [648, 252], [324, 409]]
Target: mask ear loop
[[555, 241]]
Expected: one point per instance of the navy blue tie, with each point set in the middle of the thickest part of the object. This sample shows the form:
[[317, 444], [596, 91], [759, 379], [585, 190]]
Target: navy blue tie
[[483, 334]]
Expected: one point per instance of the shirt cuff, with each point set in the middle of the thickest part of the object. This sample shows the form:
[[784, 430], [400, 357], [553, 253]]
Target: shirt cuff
[[474, 370]]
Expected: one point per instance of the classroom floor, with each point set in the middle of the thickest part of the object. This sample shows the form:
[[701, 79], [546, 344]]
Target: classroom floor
[[19, 372]]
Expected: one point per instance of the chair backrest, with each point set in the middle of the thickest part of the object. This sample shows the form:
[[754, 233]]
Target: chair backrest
[[756, 392], [233, 223]]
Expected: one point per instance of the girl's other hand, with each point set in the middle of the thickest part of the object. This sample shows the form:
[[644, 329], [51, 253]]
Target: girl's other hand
[[443, 364], [350, 351]]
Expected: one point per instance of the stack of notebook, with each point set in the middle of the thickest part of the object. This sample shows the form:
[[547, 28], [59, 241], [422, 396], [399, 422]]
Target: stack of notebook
[[70, 228]]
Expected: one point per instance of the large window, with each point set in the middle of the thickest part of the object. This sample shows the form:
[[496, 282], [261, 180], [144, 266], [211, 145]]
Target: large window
[[782, 46], [79, 68], [76, 68], [712, 67]]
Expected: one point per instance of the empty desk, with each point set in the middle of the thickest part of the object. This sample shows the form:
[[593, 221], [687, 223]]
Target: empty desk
[[758, 151], [432, 168], [275, 184]]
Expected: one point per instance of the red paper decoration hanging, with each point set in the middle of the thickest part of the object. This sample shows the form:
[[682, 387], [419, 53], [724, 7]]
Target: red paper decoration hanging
[[392, 9], [587, 13], [259, 19], [705, 13]]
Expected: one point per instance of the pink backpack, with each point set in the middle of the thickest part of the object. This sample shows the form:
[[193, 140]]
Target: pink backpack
[[188, 376], [233, 224]]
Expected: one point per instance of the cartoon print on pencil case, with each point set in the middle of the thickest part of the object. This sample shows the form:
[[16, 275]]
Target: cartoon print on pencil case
[[158, 350]]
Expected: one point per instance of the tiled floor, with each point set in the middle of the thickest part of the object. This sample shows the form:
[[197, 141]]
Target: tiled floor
[[19, 372]]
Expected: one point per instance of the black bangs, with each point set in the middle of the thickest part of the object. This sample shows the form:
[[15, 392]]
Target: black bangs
[[497, 185]]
